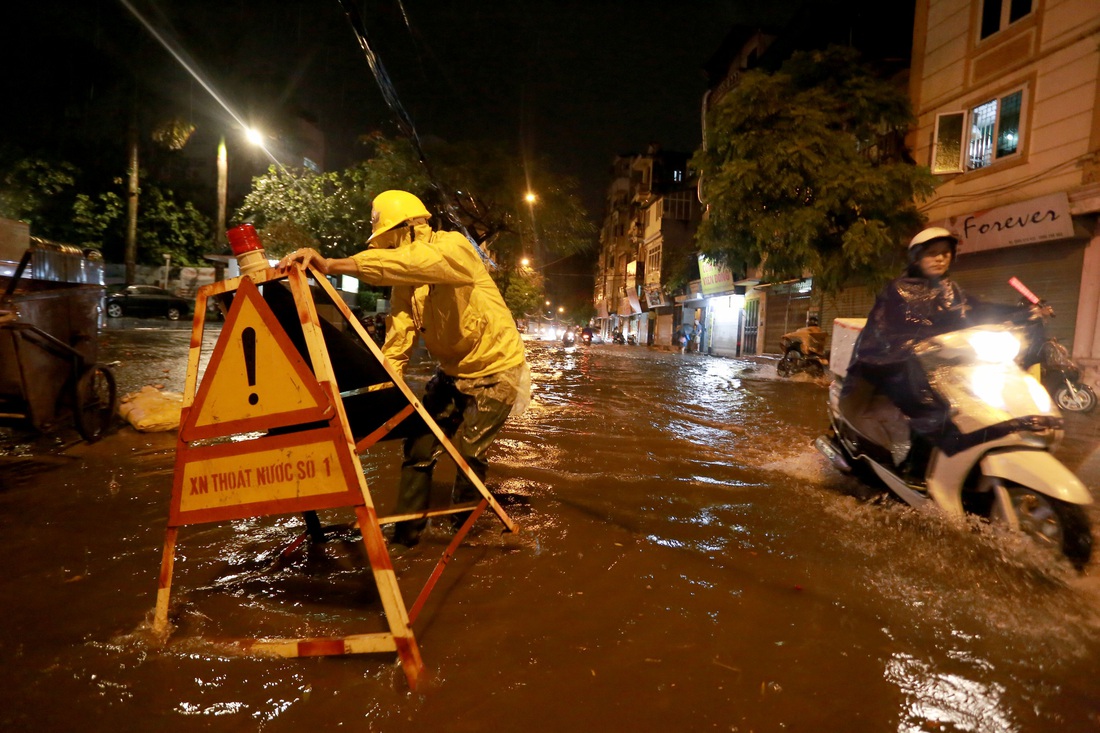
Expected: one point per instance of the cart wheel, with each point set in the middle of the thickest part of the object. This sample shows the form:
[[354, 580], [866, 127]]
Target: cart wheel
[[94, 402]]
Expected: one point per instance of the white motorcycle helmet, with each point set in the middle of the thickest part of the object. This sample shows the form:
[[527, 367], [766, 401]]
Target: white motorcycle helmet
[[929, 235]]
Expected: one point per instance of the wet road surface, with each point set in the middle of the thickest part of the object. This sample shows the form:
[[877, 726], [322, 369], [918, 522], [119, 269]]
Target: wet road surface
[[686, 561]]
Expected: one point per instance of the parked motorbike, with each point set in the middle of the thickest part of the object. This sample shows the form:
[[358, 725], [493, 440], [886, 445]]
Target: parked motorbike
[[618, 338], [798, 359], [1057, 371], [1003, 472]]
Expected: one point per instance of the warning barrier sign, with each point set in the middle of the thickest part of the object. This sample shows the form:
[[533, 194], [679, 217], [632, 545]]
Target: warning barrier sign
[[257, 380], [281, 474], [267, 433]]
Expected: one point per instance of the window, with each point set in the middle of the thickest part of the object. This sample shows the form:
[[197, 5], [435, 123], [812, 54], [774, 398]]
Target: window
[[678, 205], [986, 134], [653, 261], [999, 14]]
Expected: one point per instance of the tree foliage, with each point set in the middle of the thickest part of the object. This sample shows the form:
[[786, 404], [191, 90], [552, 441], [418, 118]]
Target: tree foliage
[[38, 192], [804, 172], [52, 198], [523, 293], [481, 183], [166, 225], [329, 211]]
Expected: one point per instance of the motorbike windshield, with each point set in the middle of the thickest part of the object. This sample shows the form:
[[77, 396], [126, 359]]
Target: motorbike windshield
[[976, 372]]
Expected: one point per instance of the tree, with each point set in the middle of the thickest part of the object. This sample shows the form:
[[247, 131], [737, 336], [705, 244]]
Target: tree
[[38, 192], [165, 225], [330, 211], [523, 293], [804, 172], [480, 183]]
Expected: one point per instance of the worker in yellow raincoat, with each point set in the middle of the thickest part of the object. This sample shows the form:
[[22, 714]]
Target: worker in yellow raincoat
[[443, 294]]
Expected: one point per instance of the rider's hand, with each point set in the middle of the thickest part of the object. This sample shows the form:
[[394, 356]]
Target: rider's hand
[[1041, 311]]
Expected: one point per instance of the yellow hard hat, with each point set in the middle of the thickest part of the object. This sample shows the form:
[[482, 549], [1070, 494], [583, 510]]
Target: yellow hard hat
[[392, 208]]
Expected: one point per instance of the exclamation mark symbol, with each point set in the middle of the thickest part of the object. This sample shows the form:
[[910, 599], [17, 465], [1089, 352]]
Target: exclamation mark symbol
[[248, 341]]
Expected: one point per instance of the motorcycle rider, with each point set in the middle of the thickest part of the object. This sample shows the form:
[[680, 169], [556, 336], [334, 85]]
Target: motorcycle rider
[[809, 339], [922, 303]]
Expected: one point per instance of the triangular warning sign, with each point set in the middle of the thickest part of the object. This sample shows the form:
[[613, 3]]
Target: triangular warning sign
[[256, 379]]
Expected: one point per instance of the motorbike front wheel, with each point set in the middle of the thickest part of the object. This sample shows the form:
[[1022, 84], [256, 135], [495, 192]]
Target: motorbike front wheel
[[788, 365], [1078, 398], [1052, 523]]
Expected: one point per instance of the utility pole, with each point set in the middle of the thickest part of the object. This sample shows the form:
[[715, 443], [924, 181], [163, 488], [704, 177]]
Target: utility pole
[[130, 256]]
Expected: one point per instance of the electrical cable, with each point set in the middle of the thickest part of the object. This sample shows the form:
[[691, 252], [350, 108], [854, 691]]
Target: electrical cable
[[404, 121]]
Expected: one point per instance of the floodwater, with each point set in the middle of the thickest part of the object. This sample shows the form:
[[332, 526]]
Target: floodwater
[[685, 561]]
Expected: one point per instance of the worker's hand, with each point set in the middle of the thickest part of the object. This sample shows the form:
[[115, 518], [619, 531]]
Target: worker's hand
[[304, 258]]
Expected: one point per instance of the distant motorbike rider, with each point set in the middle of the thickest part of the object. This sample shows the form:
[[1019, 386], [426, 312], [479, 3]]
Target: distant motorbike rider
[[920, 304], [809, 339]]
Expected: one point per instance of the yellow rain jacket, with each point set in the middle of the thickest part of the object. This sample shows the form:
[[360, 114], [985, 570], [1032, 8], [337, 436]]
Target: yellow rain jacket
[[441, 291]]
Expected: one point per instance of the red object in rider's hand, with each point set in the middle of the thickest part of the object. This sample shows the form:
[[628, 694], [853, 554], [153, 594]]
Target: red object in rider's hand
[[1023, 290]]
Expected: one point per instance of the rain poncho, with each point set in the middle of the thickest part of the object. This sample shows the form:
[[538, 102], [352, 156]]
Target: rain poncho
[[909, 310], [442, 292]]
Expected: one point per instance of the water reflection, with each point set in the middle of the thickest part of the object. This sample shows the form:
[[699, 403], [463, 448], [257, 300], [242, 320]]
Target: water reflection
[[952, 701]]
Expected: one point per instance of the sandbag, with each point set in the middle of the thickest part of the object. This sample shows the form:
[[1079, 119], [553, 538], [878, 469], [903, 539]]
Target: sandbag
[[151, 410]]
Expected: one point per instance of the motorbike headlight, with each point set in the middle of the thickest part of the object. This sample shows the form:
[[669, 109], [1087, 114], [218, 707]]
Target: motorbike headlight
[[996, 347]]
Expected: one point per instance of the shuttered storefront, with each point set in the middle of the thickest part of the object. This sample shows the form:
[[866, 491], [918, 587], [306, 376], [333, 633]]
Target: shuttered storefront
[[1051, 270], [785, 310], [853, 302]]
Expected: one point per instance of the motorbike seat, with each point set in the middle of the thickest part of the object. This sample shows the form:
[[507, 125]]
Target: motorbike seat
[[875, 417]]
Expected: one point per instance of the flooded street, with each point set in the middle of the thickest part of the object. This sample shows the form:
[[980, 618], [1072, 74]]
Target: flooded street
[[686, 561]]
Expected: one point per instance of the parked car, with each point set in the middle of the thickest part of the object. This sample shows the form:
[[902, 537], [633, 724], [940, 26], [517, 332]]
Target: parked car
[[145, 300]]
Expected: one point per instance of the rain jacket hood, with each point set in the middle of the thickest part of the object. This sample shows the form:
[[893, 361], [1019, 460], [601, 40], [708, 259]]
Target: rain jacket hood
[[443, 293]]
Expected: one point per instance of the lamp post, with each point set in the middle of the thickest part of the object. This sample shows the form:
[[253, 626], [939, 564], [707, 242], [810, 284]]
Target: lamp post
[[256, 138]]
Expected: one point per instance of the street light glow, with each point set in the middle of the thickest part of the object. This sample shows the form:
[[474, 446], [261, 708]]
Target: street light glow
[[525, 262], [530, 197], [253, 135]]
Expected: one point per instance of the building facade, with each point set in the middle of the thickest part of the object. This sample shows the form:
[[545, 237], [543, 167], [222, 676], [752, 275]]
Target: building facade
[[649, 227], [1006, 98]]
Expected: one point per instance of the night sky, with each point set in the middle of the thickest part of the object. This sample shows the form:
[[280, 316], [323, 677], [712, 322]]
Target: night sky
[[574, 82]]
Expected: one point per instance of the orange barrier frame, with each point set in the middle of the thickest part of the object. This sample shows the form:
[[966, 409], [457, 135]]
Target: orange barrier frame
[[215, 481]]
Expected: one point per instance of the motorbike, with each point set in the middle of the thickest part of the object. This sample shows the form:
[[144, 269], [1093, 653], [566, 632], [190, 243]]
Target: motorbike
[[1059, 374], [1003, 469], [568, 338], [586, 336], [797, 360], [618, 338]]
